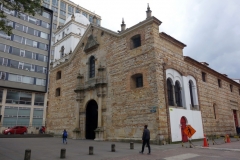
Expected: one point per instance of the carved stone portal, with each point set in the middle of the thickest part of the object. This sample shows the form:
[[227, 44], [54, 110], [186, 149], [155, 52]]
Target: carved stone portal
[[91, 43]]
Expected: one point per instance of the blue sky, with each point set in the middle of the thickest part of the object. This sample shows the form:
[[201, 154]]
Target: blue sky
[[209, 28]]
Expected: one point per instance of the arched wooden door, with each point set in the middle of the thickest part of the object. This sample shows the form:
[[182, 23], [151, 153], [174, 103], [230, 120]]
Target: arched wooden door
[[183, 126], [235, 118], [91, 119]]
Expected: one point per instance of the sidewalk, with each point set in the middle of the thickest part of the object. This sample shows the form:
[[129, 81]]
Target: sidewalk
[[49, 149]]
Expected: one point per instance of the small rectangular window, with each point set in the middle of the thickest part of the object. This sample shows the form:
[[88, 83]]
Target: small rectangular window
[[63, 6], [45, 24], [43, 46], [219, 83], [46, 5], [135, 41], [70, 9], [139, 81], [14, 64], [3, 75], [19, 27], [54, 26], [231, 88], [3, 61], [54, 9], [2, 47], [39, 69], [58, 92], [33, 20], [85, 14], [44, 35], [55, 3], [15, 51], [61, 20], [91, 19], [77, 10], [46, 14], [63, 13], [59, 75], [17, 39], [203, 76], [29, 42]]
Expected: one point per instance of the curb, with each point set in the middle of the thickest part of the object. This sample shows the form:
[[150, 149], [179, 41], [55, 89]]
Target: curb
[[222, 149]]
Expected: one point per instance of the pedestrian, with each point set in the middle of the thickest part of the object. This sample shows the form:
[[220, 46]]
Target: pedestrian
[[146, 139], [64, 136]]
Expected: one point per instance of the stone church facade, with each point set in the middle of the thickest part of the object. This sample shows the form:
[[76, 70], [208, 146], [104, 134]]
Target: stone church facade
[[113, 84]]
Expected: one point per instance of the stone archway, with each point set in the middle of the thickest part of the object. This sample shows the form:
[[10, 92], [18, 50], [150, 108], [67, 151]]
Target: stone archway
[[91, 119]]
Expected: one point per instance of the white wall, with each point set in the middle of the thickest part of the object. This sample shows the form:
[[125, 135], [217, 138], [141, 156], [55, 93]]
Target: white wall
[[70, 43], [194, 118]]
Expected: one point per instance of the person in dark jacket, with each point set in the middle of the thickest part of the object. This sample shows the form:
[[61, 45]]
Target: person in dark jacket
[[146, 139], [64, 136]]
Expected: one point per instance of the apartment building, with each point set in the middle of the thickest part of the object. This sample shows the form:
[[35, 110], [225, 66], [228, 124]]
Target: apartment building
[[62, 9], [24, 65]]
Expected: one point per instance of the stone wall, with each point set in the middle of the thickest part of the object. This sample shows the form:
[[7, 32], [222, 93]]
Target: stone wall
[[209, 93], [123, 108]]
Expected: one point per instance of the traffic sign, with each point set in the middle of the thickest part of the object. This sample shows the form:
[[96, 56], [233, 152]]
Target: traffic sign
[[189, 131]]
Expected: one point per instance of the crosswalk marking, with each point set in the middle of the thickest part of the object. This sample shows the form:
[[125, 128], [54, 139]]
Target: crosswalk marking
[[182, 156]]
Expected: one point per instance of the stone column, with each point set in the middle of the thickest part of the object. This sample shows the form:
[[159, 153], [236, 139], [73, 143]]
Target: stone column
[[76, 131], [99, 130], [174, 98], [186, 93], [31, 112], [3, 105], [45, 108]]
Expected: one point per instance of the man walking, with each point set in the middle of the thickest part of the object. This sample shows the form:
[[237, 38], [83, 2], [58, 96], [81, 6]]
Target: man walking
[[64, 136], [146, 139]]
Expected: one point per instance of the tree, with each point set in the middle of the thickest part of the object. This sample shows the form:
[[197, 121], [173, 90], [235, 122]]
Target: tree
[[30, 7]]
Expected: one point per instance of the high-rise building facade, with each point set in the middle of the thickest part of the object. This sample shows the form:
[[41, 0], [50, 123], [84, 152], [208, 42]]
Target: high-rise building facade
[[24, 62], [62, 10]]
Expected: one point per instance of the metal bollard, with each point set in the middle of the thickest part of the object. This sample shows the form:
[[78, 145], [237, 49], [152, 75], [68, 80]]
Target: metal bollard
[[91, 150], [131, 145], [63, 153], [27, 154], [113, 147]]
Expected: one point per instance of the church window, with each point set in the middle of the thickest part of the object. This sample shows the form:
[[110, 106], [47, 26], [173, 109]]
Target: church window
[[63, 34], [178, 95], [191, 92], [231, 88], [58, 92], [62, 51], [135, 41], [219, 83], [136, 81], [203, 76], [170, 92], [59, 75], [92, 67], [139, 81], [214, 111]]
